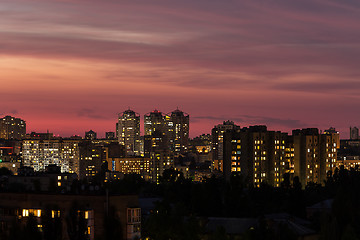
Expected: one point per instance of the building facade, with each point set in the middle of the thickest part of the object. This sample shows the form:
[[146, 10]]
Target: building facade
[[178, 131], [93, 210], [128, 131], [315, 154], [40, 153], [217, 134], [256, 153], [131, 165], [12, 128]]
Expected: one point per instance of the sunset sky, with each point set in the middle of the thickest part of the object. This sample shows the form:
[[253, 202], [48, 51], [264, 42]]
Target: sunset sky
[[71, 66]]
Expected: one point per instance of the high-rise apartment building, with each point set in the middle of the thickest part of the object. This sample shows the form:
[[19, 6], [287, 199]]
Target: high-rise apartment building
[[178, 131], [70, 156], [354, 133], [217, 143], [157, 149], [256, 153], [95, 157], [314, 154], [157, 143], [128, 131], [329, 145], [12, 128], [159, 162], [307, 155], [40, 153], [154, 121], [265, 156]]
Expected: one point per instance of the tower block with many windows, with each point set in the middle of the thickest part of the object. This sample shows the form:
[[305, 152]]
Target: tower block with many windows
[[128, 131], [258, 154], [12, 128], [178, 131], [217, 134]]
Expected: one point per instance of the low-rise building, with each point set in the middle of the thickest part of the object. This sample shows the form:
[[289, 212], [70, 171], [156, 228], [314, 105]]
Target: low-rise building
[[93, 209]]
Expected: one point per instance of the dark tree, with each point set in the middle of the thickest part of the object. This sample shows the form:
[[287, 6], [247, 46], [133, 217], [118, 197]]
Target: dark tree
[[51, 223], [31, 230], [76, 223], [112, 226]]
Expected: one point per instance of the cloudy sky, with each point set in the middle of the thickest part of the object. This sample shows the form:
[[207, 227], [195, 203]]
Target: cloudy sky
[[70, 66]]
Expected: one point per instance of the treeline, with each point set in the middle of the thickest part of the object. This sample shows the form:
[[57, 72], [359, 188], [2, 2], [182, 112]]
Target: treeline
[[186, 204]]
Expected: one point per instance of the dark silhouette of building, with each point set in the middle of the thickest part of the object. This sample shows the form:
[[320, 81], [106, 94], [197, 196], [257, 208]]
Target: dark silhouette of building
[[96, 211], [90, 135], [110, 135], [354, 133], [12, 128]]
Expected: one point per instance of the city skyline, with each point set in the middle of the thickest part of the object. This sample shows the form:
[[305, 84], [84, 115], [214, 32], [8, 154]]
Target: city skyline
[[71, 66], [100, 135]]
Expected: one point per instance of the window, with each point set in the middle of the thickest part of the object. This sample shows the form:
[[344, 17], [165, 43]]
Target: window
[[25, 212]]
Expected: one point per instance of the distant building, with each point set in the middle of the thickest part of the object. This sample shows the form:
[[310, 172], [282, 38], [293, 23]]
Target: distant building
[[157, 149], [203, 147], [159, 162], [157, 146], [349, 154], [314, 154], [155, 142], [154, 121], [256, 153], [128, 131], [49, 180], [40, 136], [131, 165], [10, 150], [354, 133], [40, 153], [90, 135], [217, 143], [178, 131], [12, 128], [266, 156], [92, 158], [110, 135], [96, 156]]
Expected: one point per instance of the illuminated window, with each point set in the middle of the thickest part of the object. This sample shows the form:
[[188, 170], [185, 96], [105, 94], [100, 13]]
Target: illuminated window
[[37, 213], [55, 213], [25, 212]]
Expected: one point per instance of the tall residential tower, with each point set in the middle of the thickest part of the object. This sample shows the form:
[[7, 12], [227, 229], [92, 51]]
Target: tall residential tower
[[178, 131], [128, 131], [12, 128]]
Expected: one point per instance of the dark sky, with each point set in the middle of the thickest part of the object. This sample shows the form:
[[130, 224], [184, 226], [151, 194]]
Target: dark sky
[[70, 66]]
